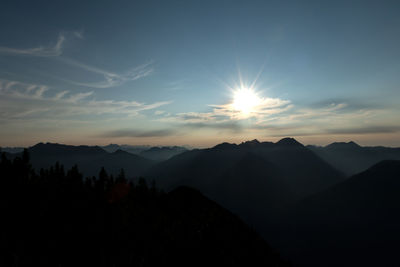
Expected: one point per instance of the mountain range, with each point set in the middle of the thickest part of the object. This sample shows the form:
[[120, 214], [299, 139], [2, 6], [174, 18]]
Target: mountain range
[[153, 153], [135, 160], [351, 158], [90, 159], [320, 206], [252, 178]]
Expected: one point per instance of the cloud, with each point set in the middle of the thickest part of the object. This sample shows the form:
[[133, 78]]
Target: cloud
[[231, 126], [319, 131], [159, 112], [278, 117], [18, 102], [79, 34], [60, 95], [226, 116], [40, 51], [351, 104], [266, 107], [371, 129], [39, 92], [77, 97], [139, 133], [110, 79]]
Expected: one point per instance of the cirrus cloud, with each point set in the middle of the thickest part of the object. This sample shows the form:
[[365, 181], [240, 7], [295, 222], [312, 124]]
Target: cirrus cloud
[[26, 101]]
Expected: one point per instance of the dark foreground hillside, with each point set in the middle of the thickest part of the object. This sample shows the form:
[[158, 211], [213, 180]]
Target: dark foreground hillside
[[57, 218], [354, 223]]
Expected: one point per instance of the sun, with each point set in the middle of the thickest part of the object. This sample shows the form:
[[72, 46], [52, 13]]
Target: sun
[[245, 100]]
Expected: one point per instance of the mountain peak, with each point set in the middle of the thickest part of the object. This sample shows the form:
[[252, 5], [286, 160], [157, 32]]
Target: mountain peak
[[120, 151], [288, 141], [344, 144], [61, 148], [251, 143], [353, 143], [225, 145]]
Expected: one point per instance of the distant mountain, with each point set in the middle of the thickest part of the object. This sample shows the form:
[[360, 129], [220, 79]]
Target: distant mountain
[[11, 150], [352, 158], [251, 178], [128, 148], [88, 158], [152, 153], [162, 153], [299, 167], [354, 223]]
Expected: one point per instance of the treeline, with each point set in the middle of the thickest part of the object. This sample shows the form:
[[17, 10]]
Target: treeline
[[56, 217]]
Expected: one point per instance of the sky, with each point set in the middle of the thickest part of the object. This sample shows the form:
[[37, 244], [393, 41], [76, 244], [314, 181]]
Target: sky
[[181, 72]]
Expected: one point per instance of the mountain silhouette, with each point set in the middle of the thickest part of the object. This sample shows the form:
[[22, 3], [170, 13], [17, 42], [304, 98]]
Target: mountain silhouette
[[162, 153], [133, 149], [254, 179], [11, 150], [288, 192], [299, 167], [89, 158], [152, 153], [352, 158], [354, 223], [56, 218]]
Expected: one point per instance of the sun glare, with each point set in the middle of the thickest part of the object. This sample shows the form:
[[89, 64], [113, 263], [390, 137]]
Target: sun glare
[[245, 100]]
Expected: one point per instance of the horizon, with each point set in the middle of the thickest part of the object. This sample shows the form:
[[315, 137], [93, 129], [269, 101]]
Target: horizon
[[199, 74], [190, 147]]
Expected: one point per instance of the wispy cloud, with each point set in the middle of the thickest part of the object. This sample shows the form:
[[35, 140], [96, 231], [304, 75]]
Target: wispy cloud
[[228, 113], [79, 34], [371, 129], [39, 92], [40, 102], [139, 133], [232, 126], [277, 117], [40, 51], [111, 79]]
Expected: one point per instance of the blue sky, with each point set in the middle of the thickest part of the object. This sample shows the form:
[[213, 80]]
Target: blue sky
[[165, 72]]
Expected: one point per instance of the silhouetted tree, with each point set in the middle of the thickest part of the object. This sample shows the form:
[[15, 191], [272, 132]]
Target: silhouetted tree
[[55, 218]]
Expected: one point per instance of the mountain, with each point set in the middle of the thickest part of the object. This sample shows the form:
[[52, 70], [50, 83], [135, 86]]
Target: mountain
[[151, 153], [128, 148], [55, 218], [352, 158], [354, 223], [162, 153], [11, 150], [253, 179], [88, 158], [298, 166]]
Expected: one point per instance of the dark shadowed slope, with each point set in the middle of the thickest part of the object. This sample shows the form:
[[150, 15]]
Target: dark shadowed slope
[[162, 153], [57, 219], [355, 223], [133, 149], [352, 158], [89, 158], [253, 179], [302, 169], [298, 167], [11, 150]]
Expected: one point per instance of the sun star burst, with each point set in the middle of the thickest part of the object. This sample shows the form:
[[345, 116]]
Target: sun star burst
[[245, 100]]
